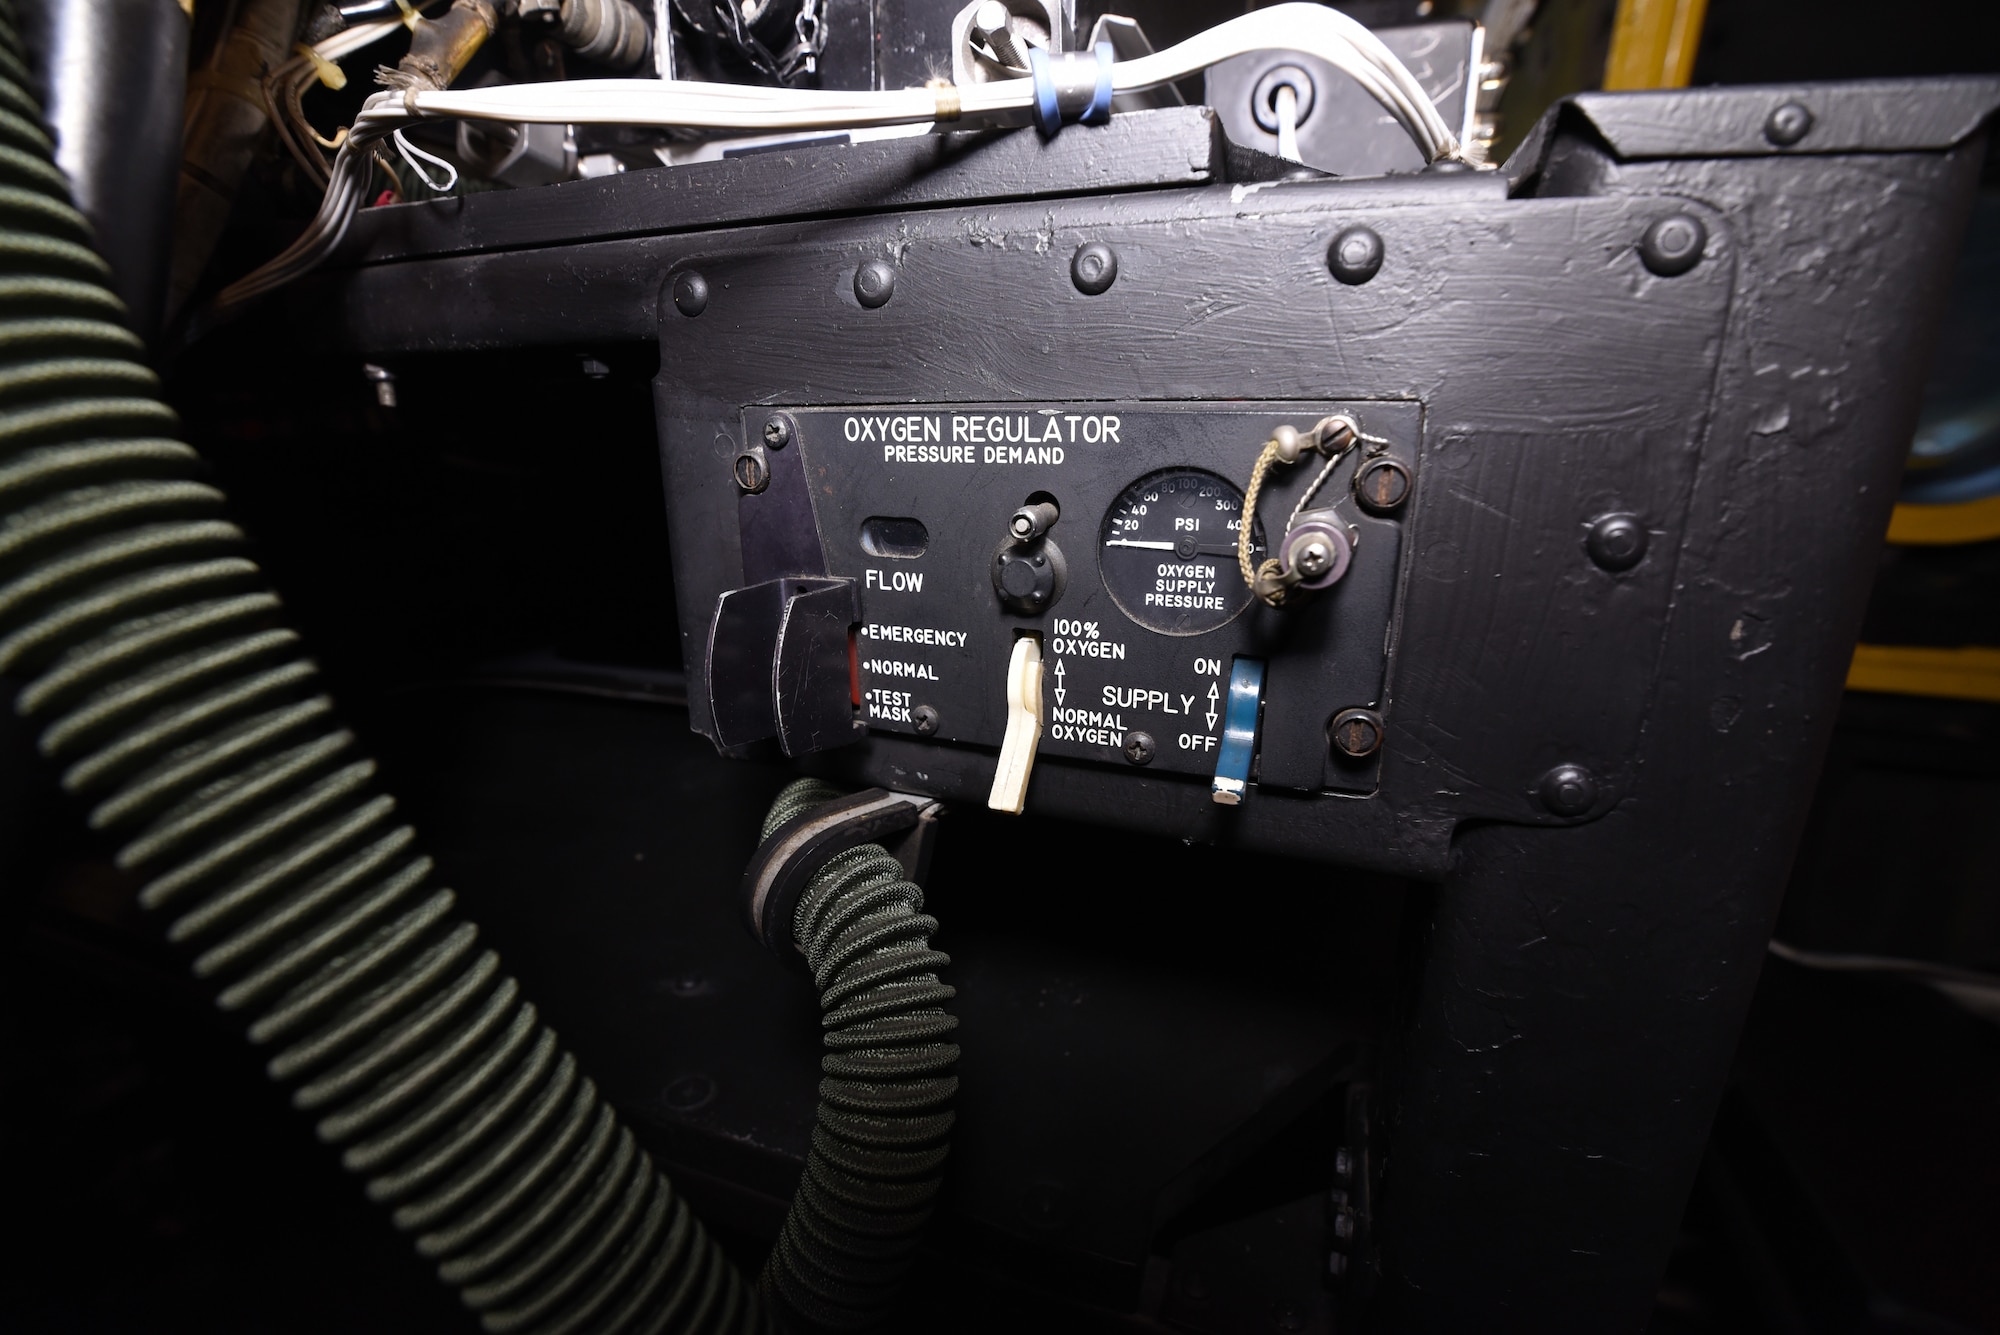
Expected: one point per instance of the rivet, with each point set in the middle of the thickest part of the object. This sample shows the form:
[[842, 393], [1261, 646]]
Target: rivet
[[1673, 245], [1788, 123], [1568, 790], [1355, 255], [1094, 268], [690, 293], [1617, 541], [875, 283], [690, 1092]]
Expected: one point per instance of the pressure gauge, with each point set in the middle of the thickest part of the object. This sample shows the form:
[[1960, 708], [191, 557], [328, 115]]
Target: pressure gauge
[[1168, 552]]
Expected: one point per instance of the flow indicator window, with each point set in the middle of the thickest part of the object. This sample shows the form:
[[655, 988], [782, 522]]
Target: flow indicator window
[[1167, 552]]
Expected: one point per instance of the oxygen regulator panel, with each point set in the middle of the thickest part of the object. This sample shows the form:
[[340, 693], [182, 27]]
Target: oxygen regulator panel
[[1106, 534]]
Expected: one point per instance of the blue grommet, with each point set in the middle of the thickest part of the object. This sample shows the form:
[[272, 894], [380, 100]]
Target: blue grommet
[[1099, 110], [1048, 107]]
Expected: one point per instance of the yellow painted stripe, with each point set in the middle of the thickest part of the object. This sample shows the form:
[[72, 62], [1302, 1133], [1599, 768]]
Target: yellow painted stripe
[[1956, 674], [1938, 525], [1653, 43]]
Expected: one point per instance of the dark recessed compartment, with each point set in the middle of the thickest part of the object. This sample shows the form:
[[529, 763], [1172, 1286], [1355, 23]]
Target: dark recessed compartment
[[899, 539]]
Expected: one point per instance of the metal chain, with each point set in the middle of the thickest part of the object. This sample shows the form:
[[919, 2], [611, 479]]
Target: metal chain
[[1335, 437]]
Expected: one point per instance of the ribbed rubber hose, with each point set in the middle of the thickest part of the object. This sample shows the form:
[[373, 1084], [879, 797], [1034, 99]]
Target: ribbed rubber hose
[[885, 1116], [175, 703]]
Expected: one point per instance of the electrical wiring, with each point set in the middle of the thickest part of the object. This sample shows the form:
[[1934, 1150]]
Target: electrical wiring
[[286, 85], [732, 108]]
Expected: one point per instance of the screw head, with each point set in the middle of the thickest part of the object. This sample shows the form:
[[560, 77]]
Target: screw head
[[1355, 255], [1617, 541], [874, 283], [1788, 123], [777, 431], [1382, 485], [1673, 245], [690, 294], [1356, 733], [1094, 268], [1314, 559], [689, 1093], [752, 473], [1568, 790], [926, 719], [1139, 748], [1343, 1164]]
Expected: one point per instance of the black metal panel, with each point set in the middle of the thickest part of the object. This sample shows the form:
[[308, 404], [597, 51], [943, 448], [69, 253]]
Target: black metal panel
[[1864, 116], [1170, 146], [1534, 656], [1581, 987], [1584, 987]]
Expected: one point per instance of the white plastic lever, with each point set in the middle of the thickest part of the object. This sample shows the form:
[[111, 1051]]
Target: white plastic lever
[[1024, 726]]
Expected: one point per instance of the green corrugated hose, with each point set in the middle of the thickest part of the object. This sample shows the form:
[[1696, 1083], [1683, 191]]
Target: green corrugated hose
[[182, 711]]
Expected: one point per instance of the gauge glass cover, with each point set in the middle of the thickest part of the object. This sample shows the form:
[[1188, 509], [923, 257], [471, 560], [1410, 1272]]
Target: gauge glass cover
[[1167, 552]]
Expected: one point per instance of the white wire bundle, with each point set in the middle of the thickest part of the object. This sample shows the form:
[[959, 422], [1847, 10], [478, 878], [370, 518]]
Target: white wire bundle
[[1310, 28], [349, 40]]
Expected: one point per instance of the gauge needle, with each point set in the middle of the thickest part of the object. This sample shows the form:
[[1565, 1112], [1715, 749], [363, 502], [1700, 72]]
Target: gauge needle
[[1174, 547]]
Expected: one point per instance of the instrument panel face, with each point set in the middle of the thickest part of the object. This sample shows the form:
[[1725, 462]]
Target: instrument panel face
[[1167, 552], [1149, 611]]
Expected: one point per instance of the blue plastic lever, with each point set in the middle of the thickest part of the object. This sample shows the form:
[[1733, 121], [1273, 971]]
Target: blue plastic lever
[[1239, 731]]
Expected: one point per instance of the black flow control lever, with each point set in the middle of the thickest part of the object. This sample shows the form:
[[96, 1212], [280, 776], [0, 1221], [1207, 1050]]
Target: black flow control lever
[[780, 665]]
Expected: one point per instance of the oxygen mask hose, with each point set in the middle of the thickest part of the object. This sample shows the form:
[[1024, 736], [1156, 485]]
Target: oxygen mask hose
[[885, 1116], [177, 706]]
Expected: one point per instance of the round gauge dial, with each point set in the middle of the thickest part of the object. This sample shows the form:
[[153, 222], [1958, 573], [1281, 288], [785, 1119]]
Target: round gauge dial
[[1168, 552]]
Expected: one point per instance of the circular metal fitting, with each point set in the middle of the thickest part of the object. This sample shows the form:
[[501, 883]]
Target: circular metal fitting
[[1788, 123], [1356, 733], [926, 719], [1673, 245], [1139, 748], [1264, 98], [778, 431], [753, 472], [1029, 578], [1355, 255], [1568, 790], [1382, 485], [1616, 541], [1320, 551], [1094, 268], [690, 293], [875, 283]]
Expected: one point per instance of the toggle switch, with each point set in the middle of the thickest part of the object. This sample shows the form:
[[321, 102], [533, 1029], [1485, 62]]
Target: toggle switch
[[1024, 726], [1239, 731]]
